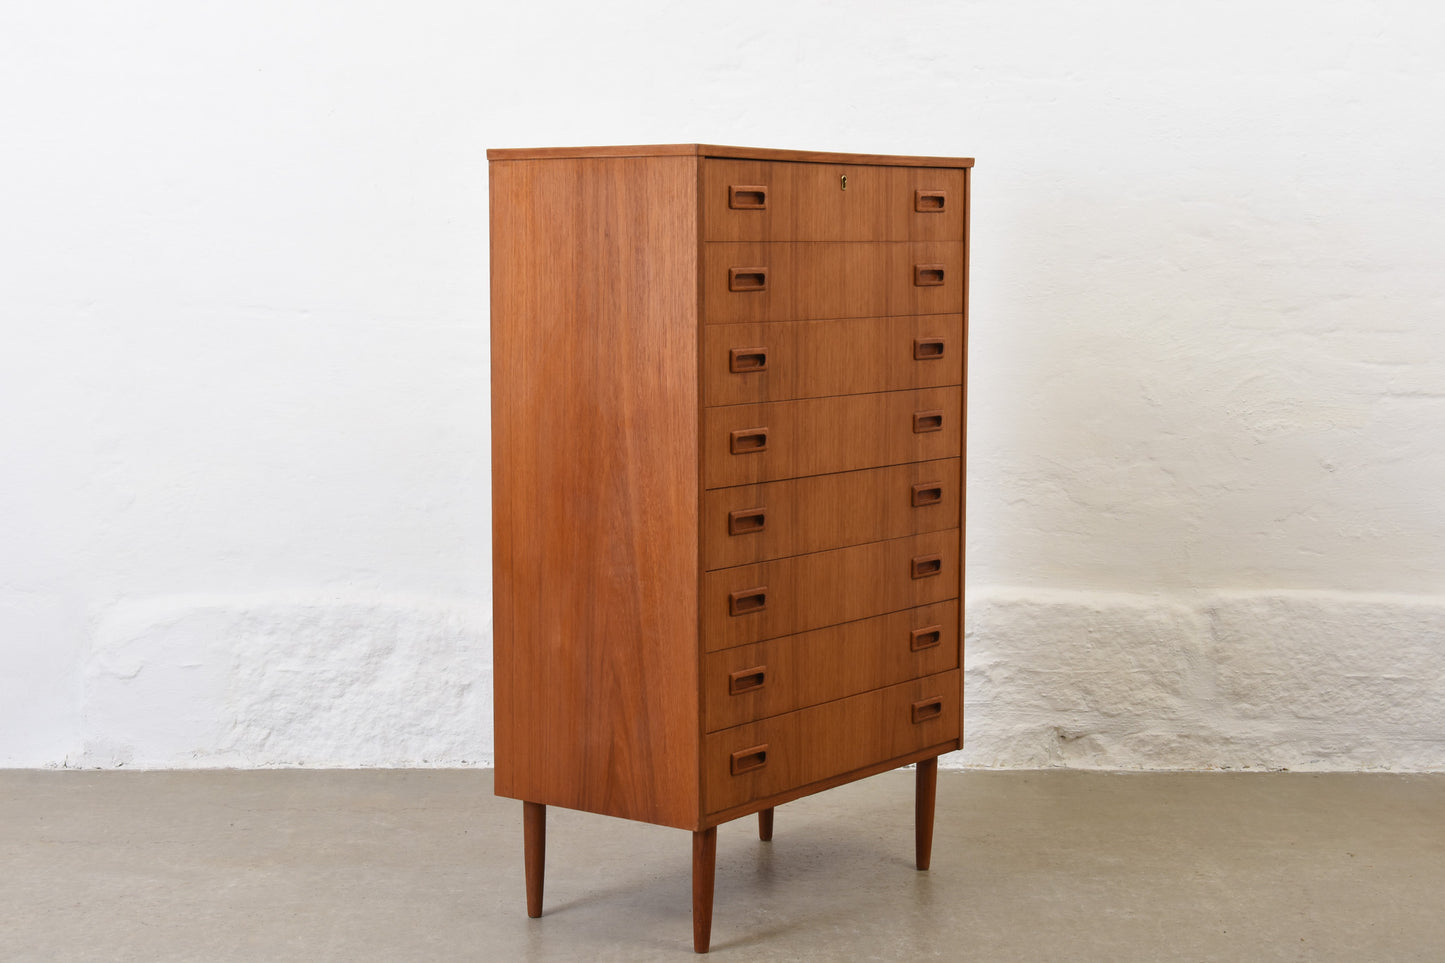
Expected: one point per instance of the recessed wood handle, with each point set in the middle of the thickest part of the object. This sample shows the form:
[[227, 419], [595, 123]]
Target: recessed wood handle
[[926, 566], [748, 197], [927, 493], [748, 601], [751, 279], [925, 638], [746, 760], [747, 680], [927, 275], [927, 349], [930, 202], [747, 521], [745, 360], [750, 441], [931, 420], [925, 709]]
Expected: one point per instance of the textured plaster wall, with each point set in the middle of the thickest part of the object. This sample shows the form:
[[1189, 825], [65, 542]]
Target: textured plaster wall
[[244, 511]]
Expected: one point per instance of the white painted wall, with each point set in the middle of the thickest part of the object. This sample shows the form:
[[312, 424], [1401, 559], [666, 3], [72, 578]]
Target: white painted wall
[[243, 401]]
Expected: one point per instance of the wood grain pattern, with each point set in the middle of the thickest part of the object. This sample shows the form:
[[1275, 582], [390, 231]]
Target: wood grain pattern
[[704, 871], [805, 202], [765, 824], [828, 279], [925, 793], [798, 792], [804, 515], [594, 341], [963, 398], [815, 359], [685, 635], [820, 435], [830, 663], [722, 150], [828, 740], [534, 854], [832, 157], [812, 591]]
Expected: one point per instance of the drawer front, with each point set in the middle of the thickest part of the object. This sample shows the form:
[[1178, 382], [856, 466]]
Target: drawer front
[[780, 201], [754, 523], [791, 282], [754, 682], [744, 444], [749, 363], [790, 751], [769, 600]]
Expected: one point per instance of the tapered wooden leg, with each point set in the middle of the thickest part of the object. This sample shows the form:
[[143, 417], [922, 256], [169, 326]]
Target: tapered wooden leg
[[704, 861], [765, 824], [926, 790], [534, 841]]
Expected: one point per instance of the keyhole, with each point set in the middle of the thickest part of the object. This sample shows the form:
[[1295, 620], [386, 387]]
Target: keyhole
[[843, 182]]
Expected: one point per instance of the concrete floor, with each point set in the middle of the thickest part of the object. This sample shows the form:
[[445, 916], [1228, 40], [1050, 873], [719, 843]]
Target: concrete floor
[[427, 865]]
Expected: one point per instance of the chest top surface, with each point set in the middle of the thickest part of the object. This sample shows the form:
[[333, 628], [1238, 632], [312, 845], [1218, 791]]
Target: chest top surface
[[719, 150]]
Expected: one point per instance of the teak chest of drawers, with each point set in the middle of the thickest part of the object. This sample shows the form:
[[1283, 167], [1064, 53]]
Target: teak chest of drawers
[[728, 420]]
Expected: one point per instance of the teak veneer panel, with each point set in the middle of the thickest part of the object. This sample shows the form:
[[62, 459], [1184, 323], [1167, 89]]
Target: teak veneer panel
[[836, 737], [814, 359], [683, 336], [808, 202], [722, 150], [806, 592], [754, 523], [830, 279], [819, 435], [753, 682], [595, 468]]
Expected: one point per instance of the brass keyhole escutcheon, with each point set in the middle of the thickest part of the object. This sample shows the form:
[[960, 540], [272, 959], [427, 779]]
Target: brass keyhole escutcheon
[[843, 182]]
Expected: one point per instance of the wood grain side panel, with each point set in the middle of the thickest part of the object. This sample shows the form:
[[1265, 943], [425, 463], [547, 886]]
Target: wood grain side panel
[[503, 585], [754, 523], [594, 362], [753, 682], [814, 359], [827, 740], [820, 435], [830, 280], [808, 202], [808, 592]]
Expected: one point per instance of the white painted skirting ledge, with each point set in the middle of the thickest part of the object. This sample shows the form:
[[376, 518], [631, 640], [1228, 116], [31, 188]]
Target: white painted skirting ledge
[[196, 682], [1229, 680]]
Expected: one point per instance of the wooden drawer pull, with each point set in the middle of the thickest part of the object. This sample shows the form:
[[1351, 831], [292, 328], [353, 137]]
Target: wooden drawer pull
[[751, 197], [925, 638], [743, 360], [748, 601], [746, 760], [927, 493], [747, 680], [756, 279], [930, 202], [927, 421], [924, 275], [923, 710], [927, 566], [750, 441], [927, 349], [747, 521]]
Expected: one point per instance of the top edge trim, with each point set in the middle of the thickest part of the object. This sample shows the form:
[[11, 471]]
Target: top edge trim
[[719, 150]]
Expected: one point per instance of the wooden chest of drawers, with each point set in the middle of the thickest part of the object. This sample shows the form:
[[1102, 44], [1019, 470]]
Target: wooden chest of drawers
[[728, 429]]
